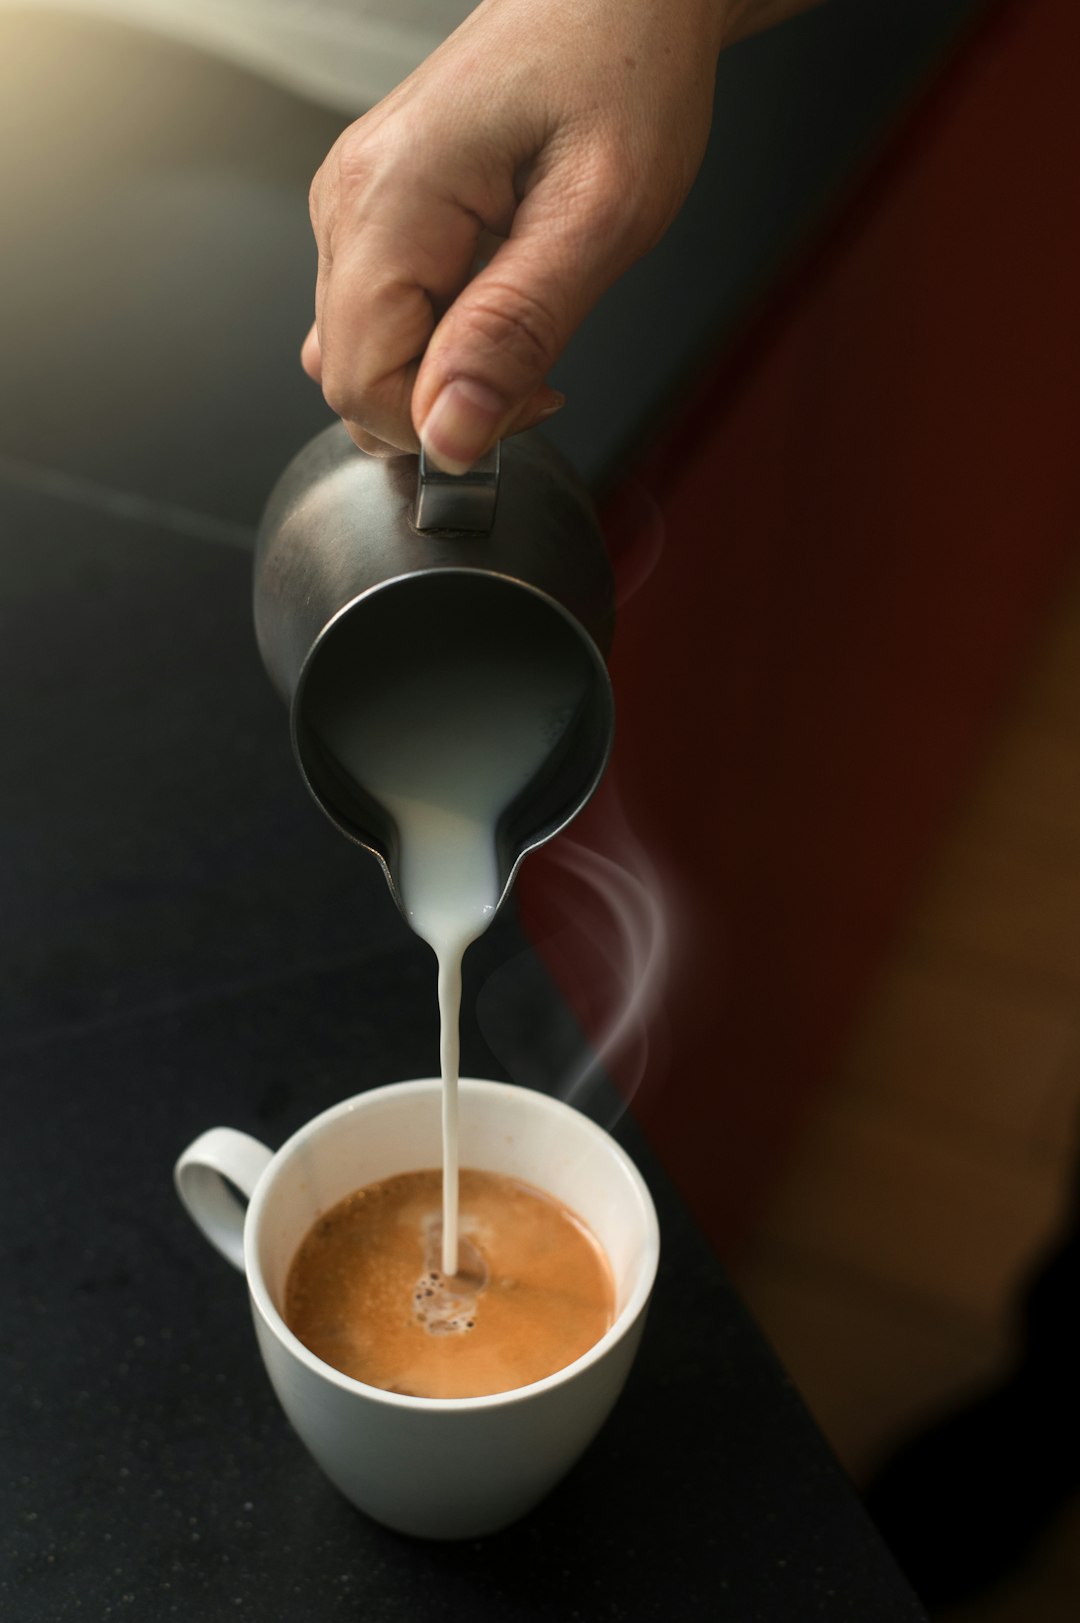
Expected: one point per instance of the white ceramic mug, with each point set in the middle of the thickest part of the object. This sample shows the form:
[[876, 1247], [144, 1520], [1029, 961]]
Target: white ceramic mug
[[435, 1467]]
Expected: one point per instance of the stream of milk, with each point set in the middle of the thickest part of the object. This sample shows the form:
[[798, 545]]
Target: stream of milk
[[445, 744]]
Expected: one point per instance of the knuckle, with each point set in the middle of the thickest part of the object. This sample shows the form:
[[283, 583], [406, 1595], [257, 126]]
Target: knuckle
[[341, 393], [630, 211], [356, 159], [369, 409], [370, 443], [517, 323], [626, 223]]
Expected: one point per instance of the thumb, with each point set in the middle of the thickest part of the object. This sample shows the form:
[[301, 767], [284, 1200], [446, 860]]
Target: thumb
[[488, 356]]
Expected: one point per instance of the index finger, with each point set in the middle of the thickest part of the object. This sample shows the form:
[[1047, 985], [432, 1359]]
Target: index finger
[[380, 296]]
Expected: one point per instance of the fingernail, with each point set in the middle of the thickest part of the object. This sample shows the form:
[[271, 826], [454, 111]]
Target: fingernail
[[461, 424], [556, 405]]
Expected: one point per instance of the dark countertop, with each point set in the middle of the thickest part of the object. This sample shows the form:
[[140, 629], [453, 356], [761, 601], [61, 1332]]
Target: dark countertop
[[184, 941]]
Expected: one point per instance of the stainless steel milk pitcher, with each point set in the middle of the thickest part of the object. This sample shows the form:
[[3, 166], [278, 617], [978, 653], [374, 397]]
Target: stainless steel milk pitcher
[[355, 551]]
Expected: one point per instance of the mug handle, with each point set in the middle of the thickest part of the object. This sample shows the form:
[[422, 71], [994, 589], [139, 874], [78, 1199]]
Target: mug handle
[[207, 1178]]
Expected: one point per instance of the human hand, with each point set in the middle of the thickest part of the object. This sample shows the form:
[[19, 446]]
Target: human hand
[[565, 135]]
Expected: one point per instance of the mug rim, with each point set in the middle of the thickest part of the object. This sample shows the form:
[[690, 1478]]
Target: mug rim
[[634, 1306]]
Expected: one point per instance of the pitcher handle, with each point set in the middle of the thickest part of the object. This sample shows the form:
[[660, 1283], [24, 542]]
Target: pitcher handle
[[458, 501]]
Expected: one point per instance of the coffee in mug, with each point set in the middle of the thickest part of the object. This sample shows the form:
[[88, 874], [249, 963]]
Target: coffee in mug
[[366, 1292]]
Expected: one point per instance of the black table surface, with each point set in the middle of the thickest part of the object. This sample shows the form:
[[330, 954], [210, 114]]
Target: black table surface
[[184, 941]]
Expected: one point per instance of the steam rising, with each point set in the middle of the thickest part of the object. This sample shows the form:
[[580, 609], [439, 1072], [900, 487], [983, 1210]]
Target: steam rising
[[639, 544], [612, 955]]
